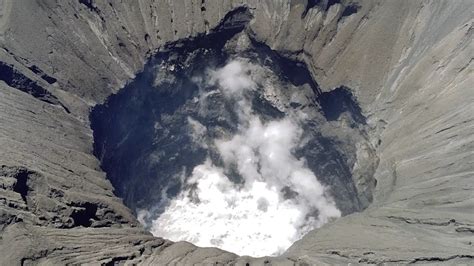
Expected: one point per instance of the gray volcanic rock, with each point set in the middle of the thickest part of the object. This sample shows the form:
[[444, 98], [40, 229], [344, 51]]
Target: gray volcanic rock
[[409, 64]]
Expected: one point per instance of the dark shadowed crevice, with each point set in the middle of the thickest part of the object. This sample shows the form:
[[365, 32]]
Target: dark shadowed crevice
[[338, 101], [84, 214], [330, 3], [21, 186], [90, 5], [325, 5], [349, 10], [21, 176], [234, 21], [295, 72], [16, 79], [310, 4], [119, 260], [44, 76]]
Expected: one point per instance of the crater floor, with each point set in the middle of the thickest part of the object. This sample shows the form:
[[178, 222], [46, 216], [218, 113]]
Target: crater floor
[[228, 144]]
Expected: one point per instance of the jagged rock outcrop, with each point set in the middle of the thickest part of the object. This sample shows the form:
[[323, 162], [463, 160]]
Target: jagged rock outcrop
[[409, 64]]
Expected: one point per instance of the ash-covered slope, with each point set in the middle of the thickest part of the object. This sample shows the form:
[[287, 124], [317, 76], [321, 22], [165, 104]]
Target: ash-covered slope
[[408, 62]]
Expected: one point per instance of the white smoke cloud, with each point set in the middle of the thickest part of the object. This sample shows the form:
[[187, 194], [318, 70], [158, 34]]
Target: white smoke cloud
[[256, 217], [233, 78]]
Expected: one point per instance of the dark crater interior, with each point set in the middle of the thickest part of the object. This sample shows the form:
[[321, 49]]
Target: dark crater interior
[[142, 137]]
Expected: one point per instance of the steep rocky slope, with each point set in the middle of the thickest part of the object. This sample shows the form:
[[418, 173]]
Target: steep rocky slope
[[409, 63]]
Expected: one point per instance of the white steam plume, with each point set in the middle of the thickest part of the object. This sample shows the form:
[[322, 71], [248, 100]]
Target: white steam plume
[[280, 199]]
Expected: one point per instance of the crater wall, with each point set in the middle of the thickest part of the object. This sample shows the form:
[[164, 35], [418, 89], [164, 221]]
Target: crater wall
[[409, 64]]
